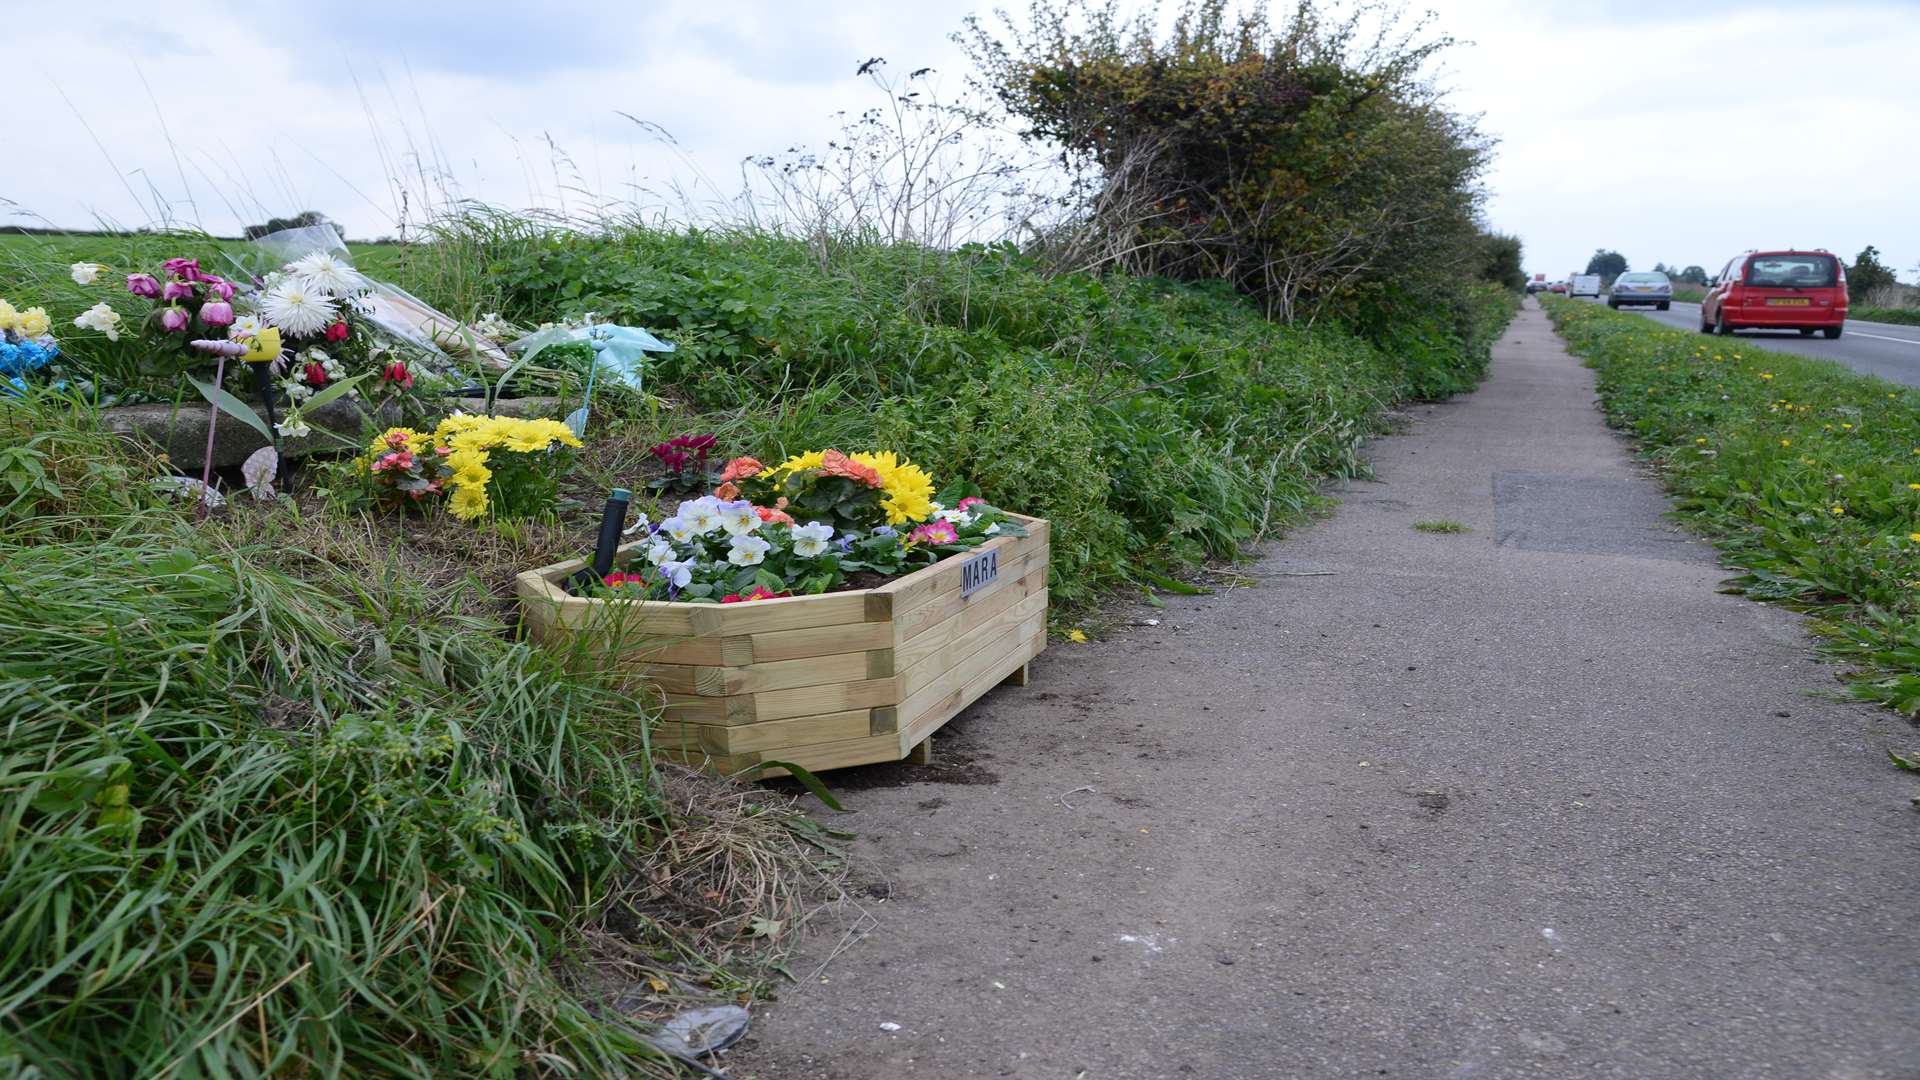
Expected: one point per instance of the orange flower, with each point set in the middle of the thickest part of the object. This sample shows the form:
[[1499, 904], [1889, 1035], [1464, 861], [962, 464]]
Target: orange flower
[[836, 463], [726, 491], [773, 517], [739, 469]]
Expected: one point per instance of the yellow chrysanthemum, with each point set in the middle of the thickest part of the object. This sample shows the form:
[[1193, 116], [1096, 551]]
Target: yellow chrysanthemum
[[468, 503], [8, 315], [907, 489]]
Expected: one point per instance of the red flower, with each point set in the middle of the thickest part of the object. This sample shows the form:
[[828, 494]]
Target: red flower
[[621, 577], [726, 491], [935, 532], [755, 593], [739, 469], [397, 374], [316, 375], [772, 516], [337, 332]]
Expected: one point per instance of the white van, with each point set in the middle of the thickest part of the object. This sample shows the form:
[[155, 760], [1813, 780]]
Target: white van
[[1584, 285]]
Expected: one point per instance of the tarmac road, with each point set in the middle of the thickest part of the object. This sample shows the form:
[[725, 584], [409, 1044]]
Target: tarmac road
[[1534, 800], [1888, 350]]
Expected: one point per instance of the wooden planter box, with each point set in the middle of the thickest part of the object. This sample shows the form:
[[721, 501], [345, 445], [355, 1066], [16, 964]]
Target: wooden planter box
[[827, 681]]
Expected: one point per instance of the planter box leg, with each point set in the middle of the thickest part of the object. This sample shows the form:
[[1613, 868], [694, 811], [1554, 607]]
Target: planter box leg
[[922, 752], [1019, 677]]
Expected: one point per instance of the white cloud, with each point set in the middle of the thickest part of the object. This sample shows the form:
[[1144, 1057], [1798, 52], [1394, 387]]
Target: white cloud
[[1683, 136]]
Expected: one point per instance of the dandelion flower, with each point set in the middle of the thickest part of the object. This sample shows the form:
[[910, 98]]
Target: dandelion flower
[[1786, 442], [297, 309], [1078, 637], [1839, 510], [1914, 536]]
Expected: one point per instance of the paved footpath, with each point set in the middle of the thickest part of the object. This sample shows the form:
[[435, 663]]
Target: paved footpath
[[1533, 800]]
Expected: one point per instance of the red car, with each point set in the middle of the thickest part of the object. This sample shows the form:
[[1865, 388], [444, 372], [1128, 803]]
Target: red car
[[1558, 287], [1778, 290]]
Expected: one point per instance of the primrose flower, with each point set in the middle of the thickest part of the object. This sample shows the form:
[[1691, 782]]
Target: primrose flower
[[86, 273], [810, 540], [747, 551], [678, 575], [935, 532], [738, 518], [740, 468], [971, 501]]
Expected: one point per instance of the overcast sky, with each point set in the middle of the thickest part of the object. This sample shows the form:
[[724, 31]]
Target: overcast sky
[[1676, 134]]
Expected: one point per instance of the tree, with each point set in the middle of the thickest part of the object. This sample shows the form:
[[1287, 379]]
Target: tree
[[1310, 161], [1501, 261], [1663, 268], [1868, 274], [1693, 275], [301, 220], [1608, 264]]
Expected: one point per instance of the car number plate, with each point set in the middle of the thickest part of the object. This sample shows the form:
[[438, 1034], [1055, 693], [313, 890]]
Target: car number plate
[[979, 571], [1788, 303]]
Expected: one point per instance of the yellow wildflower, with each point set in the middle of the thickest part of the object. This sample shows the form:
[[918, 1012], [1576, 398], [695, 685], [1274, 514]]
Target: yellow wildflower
[[1914, 536], [1766, 375], [1913, 487], [1786, 442], [1848, 427], [1839, 509], [1078, 637], [1700, 440]]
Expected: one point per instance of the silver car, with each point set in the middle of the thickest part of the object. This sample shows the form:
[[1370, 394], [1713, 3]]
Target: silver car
[[1644, 287]]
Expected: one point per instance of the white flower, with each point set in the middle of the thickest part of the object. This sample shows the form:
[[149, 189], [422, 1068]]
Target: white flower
[[678, 574], [747, 551], [678, 528], [297, 391], [184, 486], [244, 327], [297, 309], [641, 523], [738, 518], [85, 273], [659, 553], [702, 515], [99, 317], [320, 272], [491, 325], [957, 517], [811, 539], [991, 529], [293, 427]]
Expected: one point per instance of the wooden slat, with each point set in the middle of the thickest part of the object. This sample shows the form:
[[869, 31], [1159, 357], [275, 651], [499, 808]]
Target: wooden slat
[[709, 681], [946, 690], [791, 613], [832, 697], [822, 756], [1019, 573], [904, 594], [936, 712], [722, 740], [965, 617], [818, 641], [964, 641]]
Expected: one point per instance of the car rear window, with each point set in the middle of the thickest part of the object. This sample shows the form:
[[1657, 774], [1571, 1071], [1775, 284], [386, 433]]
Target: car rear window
[[1791, 271], [1644, 279]]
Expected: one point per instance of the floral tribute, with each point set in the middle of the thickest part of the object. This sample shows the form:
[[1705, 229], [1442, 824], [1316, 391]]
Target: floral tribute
[[309, 319], [801, 527], [498, 465], [26, 345]]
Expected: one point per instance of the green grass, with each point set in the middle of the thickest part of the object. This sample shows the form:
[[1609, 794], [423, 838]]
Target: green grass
[[1804, 474], [282, 796], [1441, 525], [1688, 294], [1909, 316]]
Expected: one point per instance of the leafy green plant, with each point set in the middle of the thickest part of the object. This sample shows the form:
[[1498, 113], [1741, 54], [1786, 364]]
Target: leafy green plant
[[1441, 525]]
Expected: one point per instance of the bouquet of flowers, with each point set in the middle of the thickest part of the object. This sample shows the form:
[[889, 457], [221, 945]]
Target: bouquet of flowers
[[26, 345], [498, 465], [745, 542]]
